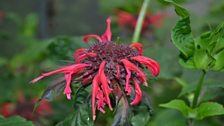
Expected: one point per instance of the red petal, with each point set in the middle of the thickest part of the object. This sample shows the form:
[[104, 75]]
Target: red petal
[[118, 71], [86, 80], [150, 64], [74, 69], [86, 38], [94, 92], [79, 52], [82, 57], [105, 86], [131, 66], [127, 83], [138, 47], [138, 93], [67, 90], [107, 35]]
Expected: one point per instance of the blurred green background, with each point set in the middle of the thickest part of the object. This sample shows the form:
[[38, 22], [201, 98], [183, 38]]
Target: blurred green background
[[42, 35]]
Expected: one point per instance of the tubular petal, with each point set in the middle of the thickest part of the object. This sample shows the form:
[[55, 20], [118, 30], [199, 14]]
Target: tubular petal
[[107, 35], [105, 85], [74, 69], [138, 47], [127, 83], [79, 52], [86, 38], [131, 66], [82, 57], [118, 71], [150, 64], [94, 92], [138, 93], [67, 90]]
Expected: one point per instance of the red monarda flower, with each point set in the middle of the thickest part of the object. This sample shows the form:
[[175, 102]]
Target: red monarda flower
[[125, 19], [110, 67]]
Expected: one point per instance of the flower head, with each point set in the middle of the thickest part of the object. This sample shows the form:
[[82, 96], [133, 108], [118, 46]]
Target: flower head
[[110, 67], [125, 19]]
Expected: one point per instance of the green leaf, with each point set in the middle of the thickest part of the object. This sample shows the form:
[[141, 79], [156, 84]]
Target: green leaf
[[15, 121], [186, 88], [79, 118], [64, 47], [182, 37], [178, 105], [82, 113], [181, 34], [54, 90], [123, 114], [209, 109], [219, 58], [179, 9], [3, 61]]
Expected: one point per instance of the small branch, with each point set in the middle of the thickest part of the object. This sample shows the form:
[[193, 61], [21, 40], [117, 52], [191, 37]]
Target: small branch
[[198, 90], [140, 20]]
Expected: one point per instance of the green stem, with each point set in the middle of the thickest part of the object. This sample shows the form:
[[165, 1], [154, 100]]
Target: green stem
[[198, 90], [140, 20]]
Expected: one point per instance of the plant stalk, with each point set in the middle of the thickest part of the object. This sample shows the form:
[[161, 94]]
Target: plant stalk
[[138, 27], [198, 90]]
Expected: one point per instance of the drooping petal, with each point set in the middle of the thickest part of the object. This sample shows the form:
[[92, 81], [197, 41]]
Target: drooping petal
[[151, 64], [131, 66], [107, 35], [74, 68], [127, 83], [118, 71], [138, 93], [67, 90], [95, 88], [138, 47], [86, 38], [83, 56], [79, 52], [101, 101], [105, 86]]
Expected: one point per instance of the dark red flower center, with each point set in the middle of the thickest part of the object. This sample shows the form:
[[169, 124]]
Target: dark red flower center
[[112, 53]]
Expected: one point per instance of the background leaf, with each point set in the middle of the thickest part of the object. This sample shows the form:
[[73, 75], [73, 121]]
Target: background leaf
[[15, 121], [209, 109]]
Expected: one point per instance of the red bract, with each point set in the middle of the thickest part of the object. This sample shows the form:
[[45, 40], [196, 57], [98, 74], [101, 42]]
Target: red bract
[[125, 19], [110, 67]]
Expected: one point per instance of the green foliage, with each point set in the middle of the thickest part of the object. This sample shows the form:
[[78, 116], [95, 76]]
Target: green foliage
[[200, 52], [82, 111], [15, 120], [64, 47], [209, 109], [203, 110]]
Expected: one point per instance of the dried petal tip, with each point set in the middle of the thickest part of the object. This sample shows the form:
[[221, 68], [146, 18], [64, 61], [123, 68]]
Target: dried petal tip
[[36, 79], [94, 117], [68, 96]]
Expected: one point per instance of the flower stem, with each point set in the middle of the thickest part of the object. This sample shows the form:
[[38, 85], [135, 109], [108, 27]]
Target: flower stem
[[198, 90], [140, 20]]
